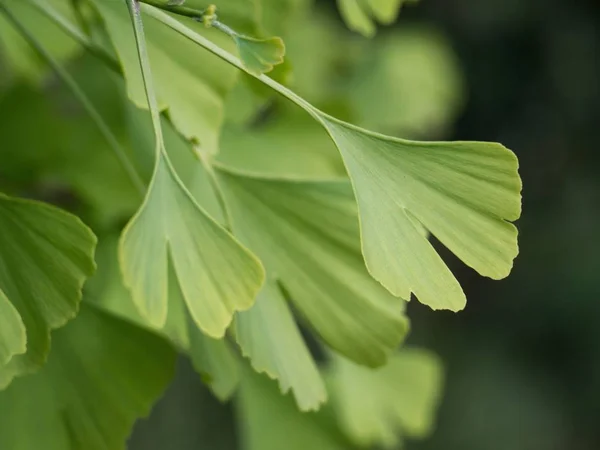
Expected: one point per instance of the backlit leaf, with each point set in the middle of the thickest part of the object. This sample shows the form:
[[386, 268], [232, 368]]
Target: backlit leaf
[[45, 256], [13, 337], [360, 15], [306, 233], [102, 375]]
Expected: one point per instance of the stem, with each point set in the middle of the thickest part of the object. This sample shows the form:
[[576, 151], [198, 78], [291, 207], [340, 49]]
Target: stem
[[119, 152], [75, 33], [138, 30], [214, 182], [229, 58], [179, 10]]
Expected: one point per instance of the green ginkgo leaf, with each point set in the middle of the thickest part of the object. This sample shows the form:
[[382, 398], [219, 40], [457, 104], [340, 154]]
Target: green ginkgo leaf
[[375, 407], [260, 55], [190, 82], [464, 193], [13, 336], [306, 233], [270, 421], [270, 338], [45, 256], [102, 375], [217, 276], [214, 359]]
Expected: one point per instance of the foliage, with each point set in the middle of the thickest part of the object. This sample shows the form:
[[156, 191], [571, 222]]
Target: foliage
[[255, 224]]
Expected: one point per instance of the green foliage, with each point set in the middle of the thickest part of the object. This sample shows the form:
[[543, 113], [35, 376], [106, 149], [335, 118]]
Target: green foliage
[[266, 231], [46, 256]]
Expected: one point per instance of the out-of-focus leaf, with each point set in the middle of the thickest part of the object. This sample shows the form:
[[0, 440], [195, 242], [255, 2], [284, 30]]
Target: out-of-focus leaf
[[270, 338], [260, 55], [19, 55], [375, 407], [409, 83], [306, 233], [360, 15], [190, 82], [270, 421], [464, 193], [102, 375], [45, 256]]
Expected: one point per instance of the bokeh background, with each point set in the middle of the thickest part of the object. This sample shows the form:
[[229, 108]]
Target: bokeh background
[[523, 360]]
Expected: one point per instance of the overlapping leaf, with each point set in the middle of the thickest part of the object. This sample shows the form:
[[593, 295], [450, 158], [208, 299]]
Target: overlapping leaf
[[190, 82], [464, 193], [269, 337], [45, 256], [306, 233], [260, 55], [212, 358], [375, 407], [216, 274], [102, 375]]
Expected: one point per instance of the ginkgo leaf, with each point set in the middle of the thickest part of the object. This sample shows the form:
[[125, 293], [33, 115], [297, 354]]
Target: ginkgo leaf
[[464, 193], [45, 256], [217, 276], [306, 233], [260, 55], [360, 15], [13, 336], [270, 338], [190, 82], [101, 376], [213, 359], [270, 421], [375, 407]]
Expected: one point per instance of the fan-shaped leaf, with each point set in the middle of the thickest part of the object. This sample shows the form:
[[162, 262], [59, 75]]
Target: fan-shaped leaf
[[462, 192], [102, 375], [260, 55], [45, 256], [373, 406], [306, 233], [216, 274], [269, 337]]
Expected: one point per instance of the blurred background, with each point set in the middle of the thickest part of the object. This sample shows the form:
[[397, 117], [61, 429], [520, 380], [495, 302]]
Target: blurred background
[[523, 360]]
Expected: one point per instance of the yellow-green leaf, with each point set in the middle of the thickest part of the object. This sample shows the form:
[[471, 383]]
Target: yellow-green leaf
[[269, 337], [260, 55], [306, 233], [376, 407]]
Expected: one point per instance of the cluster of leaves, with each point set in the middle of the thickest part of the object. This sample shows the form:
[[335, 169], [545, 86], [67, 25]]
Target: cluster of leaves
[[246, 211]]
